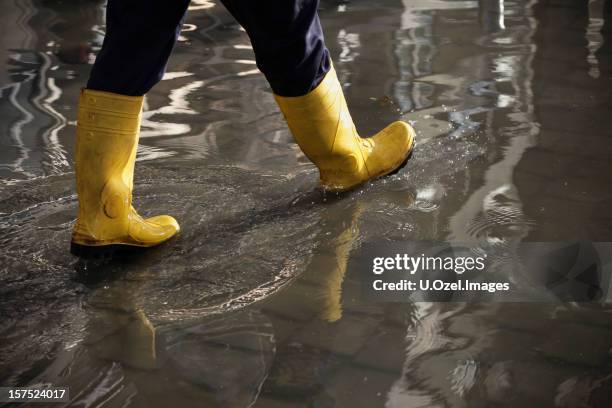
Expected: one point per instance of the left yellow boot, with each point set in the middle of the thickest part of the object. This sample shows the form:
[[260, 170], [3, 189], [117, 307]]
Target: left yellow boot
[[323, 128], [108, 129]]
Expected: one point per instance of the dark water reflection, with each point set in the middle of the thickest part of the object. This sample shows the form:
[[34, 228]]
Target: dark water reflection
[[257, 302]]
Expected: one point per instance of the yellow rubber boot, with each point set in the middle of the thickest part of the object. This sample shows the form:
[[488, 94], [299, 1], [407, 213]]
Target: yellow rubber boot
[[107, 138], [323, 128]]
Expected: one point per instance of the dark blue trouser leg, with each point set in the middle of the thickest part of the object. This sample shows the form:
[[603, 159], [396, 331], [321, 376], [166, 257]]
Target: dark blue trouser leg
[[288, 42], [140, 34]]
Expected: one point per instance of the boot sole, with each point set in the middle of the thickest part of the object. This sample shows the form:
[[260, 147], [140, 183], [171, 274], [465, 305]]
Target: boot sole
[[104, 251]]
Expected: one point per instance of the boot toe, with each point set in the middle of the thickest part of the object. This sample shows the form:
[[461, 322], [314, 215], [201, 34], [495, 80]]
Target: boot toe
[[165, 221], [163, 228], [153, 231], [392, 146], [399, 136]]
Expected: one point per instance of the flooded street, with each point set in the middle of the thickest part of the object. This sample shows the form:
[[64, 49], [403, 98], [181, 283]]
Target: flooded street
[[258, 301]]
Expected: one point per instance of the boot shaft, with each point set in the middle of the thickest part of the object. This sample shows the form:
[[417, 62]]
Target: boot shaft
[[108, 128]]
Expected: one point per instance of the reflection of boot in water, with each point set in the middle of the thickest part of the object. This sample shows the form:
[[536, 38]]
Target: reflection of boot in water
[[132, 343], [323, 128], [314, 299], [318, 291], [329, 291], [107, 138], [118, 329]]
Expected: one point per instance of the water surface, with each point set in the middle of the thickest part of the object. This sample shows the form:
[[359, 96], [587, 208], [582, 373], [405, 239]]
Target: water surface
[[257, 302]]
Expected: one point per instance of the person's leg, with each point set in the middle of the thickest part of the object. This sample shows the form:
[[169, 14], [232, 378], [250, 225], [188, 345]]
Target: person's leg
[[140, 35], [290, 51], [288, 42], [139, 39]]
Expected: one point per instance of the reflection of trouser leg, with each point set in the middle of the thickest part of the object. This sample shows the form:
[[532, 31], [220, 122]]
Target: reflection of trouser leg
[[288, 42], [140, 35]]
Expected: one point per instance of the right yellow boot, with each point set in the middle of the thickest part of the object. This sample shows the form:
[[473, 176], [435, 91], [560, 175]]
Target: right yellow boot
[[323, 128], [108, 129]]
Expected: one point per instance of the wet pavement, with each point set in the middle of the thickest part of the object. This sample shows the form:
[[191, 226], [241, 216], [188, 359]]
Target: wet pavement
[[257, 302]]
